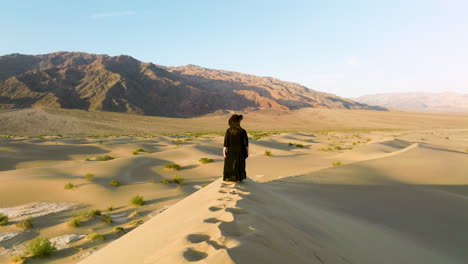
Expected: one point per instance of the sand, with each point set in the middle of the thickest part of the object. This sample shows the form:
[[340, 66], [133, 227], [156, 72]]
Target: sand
[[328, 194]]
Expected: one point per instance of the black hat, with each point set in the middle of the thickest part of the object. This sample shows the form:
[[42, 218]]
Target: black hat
[[235, 120]]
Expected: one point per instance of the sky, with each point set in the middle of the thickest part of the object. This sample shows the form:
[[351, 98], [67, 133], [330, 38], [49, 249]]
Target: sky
[[349, 48]]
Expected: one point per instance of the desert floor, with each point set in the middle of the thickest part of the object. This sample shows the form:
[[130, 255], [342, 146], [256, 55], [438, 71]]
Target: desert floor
[[337, 187]]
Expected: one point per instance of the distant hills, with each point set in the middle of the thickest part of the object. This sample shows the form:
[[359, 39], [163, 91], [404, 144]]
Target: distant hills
[[77, 80], [419, 101]]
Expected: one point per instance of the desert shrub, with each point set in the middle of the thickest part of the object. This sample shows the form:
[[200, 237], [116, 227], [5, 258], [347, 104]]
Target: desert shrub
[[172, 166], [3, 219], [106, 219], [110, 208], [299, 145], [75, 222], [140, 150], [423, 139], [337, 163], [119, 230], [338, 148], [18, 259], [93, 213], [100, 142], [104, 158], [204, 185], [68, 186], [268, 153], [95, 236], [178, 180], [87, 159], [114, 183], [206, 160], [368, 139], [138, 200], [40, 247], [136, 222], [26, 224], [290, 144], [166, 181], [447, 138], [89, 176]]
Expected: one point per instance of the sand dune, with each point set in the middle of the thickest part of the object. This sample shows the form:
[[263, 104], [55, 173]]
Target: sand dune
[[349, 195]]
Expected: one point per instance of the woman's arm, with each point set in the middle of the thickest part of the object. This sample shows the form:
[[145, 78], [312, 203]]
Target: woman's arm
[[247, 151], [224, 151]]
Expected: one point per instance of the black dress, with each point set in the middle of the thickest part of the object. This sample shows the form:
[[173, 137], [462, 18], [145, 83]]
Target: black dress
[[236, 143]]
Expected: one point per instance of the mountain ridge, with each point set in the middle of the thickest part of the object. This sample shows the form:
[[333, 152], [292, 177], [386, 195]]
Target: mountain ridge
[[79, 80]]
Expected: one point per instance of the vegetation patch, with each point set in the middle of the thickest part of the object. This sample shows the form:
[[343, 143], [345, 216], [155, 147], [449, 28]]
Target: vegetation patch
[[172, 166], [337, 163], [299, 146], [166, 181], [3, 219], [75, 222], [89, 176], [69, 186], [104, 158], [268, 153], [95, 236], [40, 247], [138, 200], [26, 224], [178, 180], [206, 160], [106, 219], [18, 259], [93, 213], [114, 183]]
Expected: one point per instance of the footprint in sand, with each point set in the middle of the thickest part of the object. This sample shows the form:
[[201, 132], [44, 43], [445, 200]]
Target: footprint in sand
[[217, 207], [192, 255], [197, 238], [212, 220]]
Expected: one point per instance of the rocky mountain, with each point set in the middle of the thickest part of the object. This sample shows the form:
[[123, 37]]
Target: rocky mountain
[[419, 101], [77, 80]]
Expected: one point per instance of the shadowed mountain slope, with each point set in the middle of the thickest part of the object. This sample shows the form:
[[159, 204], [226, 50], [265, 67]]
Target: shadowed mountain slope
[[77, 80]]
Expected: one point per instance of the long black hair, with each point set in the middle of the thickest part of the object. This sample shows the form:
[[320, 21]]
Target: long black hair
[[234, 123]]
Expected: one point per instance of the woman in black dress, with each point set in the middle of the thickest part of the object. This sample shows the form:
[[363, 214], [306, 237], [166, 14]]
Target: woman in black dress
[[235, 151]]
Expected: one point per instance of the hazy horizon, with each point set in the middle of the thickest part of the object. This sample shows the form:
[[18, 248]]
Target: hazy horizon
[[348, 49]]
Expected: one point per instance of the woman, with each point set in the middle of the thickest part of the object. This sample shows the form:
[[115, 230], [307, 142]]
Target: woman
[[235, 151]]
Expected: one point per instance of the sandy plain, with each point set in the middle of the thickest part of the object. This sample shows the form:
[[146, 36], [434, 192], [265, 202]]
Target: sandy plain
[[339, 187]]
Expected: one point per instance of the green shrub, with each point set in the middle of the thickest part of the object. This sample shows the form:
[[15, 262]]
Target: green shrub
[[178, 180], [290, 144], [206, 160], [136, 222], [138, 200], [299, 145], [87, 159], [114, 183], [26, 224], [140, 150], [268, 153], [40, 247], [338, 148], [93, 213], [204, 185], [110, 208], [89, 176], [166, 181], [447, 138], [3, 219], [106, 219], [95, 236], [68, 186], [119, 230], [18, 259], [172, 166], [337, 163], [75, 222], [104, 158]]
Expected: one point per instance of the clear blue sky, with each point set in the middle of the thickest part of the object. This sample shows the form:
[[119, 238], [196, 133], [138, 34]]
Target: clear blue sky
[[349, 48]]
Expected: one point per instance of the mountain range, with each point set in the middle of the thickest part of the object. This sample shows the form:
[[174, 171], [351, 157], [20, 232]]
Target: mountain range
[[419, 101], [77, 80]]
